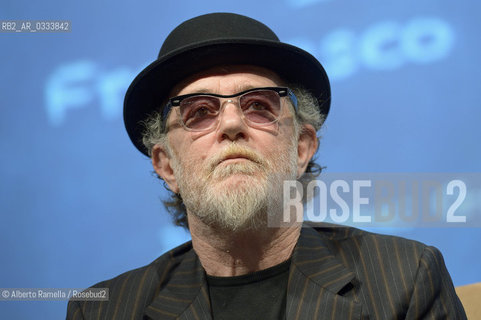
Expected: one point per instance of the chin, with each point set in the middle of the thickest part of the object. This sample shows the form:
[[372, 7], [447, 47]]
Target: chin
[[253, 222]]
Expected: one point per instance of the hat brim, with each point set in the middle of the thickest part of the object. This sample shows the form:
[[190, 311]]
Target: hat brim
[[150, 89]]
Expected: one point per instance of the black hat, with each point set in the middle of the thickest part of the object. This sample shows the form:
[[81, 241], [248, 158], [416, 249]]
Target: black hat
[[217, 39]]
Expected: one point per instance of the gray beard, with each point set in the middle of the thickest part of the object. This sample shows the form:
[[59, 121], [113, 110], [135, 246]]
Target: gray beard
[[248, 204]]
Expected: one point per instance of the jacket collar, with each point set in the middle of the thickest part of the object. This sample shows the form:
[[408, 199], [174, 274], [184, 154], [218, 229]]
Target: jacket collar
[[316, 277], [186, 295]]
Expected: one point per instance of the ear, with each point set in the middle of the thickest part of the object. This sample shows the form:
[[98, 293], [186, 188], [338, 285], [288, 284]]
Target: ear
[[162, 163], [306, 148]]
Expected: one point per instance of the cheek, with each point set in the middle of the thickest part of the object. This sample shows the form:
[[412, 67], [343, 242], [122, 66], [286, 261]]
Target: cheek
[[283, 142], [189, 152], [275, 153]]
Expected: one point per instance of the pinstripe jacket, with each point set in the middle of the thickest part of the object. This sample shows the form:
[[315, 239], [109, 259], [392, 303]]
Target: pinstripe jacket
[[336, 273]]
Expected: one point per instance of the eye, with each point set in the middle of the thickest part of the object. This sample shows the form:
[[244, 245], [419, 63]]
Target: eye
[[201, 111], [260, 101], [258, 106], [261, 107]]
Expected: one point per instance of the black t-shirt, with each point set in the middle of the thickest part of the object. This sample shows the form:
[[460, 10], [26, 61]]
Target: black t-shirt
[[258, 295]]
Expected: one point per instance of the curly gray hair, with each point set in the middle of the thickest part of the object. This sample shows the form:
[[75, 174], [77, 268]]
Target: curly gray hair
[[308, 113]]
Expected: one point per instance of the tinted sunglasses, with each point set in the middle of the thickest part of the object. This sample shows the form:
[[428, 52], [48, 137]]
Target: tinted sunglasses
[[259, 106]]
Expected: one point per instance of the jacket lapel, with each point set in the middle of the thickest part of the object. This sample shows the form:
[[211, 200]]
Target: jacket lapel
[[185, 296], [316, 278]]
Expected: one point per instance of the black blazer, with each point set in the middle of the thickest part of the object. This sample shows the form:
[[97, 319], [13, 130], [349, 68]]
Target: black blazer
[[336, 273]]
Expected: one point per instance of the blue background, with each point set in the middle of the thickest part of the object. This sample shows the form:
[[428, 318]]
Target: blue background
[[79, 204]]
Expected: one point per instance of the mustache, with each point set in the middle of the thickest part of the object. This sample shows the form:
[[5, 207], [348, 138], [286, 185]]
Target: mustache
[[238, 151]]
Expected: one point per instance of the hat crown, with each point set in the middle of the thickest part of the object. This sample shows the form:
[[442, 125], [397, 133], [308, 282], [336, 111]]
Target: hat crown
[[215, 27]]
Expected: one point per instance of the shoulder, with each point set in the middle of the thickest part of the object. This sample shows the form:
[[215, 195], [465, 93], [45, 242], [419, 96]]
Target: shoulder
[[369, 255], [391, 270], [339, 237], [132, 290]]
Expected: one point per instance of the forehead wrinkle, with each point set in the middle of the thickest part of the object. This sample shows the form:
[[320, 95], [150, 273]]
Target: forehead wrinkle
[[226, 71], [244, 87], [200, 90]]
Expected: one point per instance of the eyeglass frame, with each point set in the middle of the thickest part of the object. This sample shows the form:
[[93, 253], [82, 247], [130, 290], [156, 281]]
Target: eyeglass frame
[[176, 101]]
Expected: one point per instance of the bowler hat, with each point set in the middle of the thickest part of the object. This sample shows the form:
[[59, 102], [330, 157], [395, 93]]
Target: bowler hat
[[217, 39]]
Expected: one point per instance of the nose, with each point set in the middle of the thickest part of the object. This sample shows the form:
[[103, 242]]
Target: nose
[[232, 125]]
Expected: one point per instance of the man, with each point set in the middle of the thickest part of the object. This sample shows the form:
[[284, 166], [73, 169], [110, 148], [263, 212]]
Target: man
[[227, 113]]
